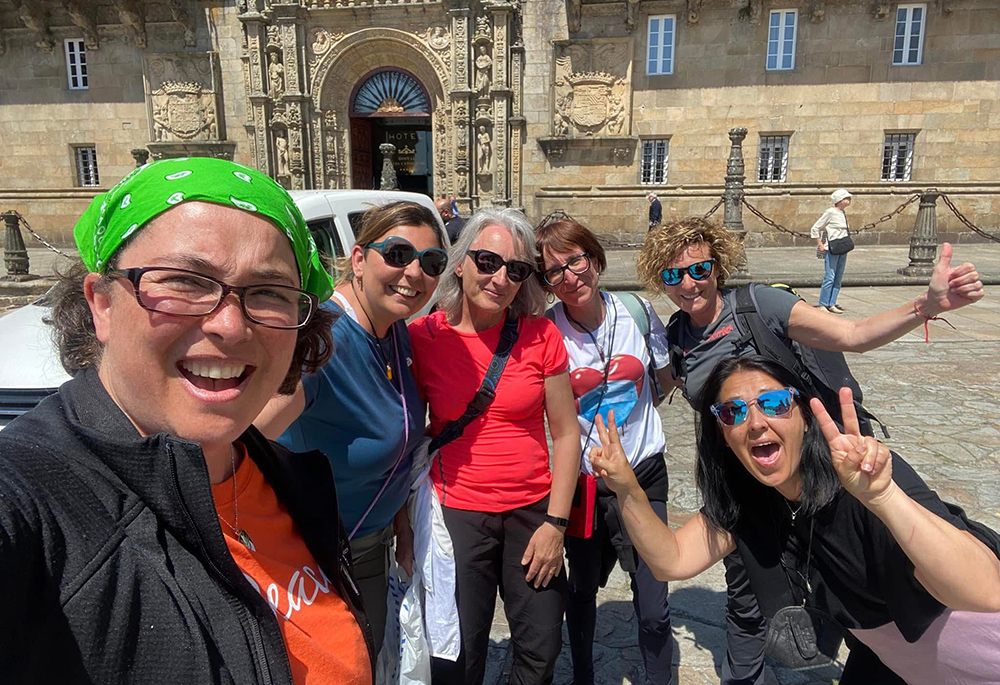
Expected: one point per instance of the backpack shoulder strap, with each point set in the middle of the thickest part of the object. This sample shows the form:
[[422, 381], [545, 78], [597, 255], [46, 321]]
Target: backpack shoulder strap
[[678, 367], [637, 310], [765, 340]]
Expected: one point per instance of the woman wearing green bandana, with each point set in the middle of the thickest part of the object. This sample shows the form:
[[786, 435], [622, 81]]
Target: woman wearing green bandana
[[148, 532]]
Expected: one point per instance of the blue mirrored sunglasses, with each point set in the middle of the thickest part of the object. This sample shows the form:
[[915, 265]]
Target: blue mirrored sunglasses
[[774, 403], [699, 271]]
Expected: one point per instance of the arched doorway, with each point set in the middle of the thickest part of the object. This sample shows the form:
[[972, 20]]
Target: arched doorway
[[390, 105]]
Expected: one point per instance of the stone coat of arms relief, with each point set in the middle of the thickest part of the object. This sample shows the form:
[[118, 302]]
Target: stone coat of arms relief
[[592, 88]]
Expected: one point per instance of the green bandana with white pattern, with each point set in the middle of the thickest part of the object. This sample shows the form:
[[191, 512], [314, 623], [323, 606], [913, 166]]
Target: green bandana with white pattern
[[154, 188]]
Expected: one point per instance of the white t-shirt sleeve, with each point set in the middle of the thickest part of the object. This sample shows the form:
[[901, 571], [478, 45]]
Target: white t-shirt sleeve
[[657, 337]]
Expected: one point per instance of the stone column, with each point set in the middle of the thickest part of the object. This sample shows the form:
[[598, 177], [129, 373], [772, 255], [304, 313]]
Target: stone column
[[388, 181], [461, 99], [15, 255], [291, 21], [923, 242], [517, 123], [253, 75], [501, 95], [733, 194]]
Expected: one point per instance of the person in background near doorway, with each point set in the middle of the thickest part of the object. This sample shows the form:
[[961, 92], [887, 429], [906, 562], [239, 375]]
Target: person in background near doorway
[[453, 223], [655, 211], [833, 223]]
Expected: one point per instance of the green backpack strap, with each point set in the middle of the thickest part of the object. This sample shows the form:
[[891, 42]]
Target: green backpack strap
[[637, 310]]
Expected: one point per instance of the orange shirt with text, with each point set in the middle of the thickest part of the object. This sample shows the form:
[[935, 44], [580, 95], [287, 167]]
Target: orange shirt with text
[[322, 637]]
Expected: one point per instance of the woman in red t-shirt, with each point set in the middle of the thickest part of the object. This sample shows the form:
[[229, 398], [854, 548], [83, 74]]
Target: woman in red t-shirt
[[505, 509]]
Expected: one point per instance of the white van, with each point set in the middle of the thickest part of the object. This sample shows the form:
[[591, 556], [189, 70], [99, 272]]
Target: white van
[[31, 369]]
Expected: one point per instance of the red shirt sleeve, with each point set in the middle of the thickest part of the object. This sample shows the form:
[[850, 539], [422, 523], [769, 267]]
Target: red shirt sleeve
[[555, 359]]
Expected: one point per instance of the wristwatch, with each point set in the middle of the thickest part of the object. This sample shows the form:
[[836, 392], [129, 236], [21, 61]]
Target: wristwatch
[[556, 521]]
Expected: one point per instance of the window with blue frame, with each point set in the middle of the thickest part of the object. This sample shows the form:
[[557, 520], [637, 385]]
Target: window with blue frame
[[781, 40], [660, 47], [908, 47]]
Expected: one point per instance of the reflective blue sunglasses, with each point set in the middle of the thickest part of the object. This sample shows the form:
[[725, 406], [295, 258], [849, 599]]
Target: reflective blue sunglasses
[[699, 271], [774, 403]]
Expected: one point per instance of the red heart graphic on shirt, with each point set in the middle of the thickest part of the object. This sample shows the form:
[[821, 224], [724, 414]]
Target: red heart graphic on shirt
[[621, 367]]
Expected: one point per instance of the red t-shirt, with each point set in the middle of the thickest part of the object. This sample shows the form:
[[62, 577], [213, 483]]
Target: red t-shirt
[[324, 642], [501, 461]]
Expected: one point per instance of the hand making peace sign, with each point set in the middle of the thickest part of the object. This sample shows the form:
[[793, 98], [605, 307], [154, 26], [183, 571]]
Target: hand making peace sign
[[609, 460], [862, 463]]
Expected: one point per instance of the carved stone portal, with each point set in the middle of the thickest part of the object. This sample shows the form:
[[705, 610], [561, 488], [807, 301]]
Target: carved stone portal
[[592, 88]]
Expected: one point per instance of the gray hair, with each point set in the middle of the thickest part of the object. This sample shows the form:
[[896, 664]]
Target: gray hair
[[530, 298]]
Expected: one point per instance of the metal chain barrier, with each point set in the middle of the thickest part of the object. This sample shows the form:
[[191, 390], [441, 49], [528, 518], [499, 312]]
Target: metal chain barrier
[[773, 224], [961, 217], [39, 238], [714, 209], [881, 220]]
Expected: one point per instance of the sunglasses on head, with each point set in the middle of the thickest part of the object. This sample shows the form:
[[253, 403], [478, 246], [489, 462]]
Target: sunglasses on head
[[489, 262], [398, 252], [774, 403], [699, 271]]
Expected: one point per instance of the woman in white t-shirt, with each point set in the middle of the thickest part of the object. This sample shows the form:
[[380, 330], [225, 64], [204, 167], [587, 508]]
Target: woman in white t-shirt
[[833, 225], [610, 368]]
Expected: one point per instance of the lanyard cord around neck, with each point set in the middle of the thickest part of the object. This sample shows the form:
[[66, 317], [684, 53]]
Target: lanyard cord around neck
[[402, 450], [607, 363]]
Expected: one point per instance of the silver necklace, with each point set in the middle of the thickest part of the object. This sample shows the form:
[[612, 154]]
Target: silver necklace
[[795, 511], [240, 534]]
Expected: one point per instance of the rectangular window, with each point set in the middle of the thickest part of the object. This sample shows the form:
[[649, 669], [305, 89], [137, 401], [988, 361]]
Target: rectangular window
[[897, 156], [76, 65], [908, 47], [773, 159], [660, 54], [781, 40], [654, 162], [86, 166]]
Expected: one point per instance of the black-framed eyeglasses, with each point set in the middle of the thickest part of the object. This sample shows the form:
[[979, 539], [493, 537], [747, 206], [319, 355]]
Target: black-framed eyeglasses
[[699, 271], [489, 262], [180, 292], [398, 252], [578, 264]]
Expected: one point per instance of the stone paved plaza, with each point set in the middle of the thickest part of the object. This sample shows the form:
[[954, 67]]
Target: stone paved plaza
[[941, 402]]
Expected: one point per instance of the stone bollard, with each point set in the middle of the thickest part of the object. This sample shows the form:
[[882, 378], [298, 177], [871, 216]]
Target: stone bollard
[[140, 155], [733, 195], [388, 180], [923, 242], [15, 256]]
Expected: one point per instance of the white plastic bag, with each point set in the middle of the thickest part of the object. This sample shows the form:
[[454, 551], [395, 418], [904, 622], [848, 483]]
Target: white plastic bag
[[405, 657]]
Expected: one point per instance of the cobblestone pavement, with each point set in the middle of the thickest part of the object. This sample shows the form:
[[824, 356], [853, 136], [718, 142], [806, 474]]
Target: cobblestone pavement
[[941, 402]]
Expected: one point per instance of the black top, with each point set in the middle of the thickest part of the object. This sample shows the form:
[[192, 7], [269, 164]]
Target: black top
[[858, 572], [113, 561], [655, 212], [454, 227]]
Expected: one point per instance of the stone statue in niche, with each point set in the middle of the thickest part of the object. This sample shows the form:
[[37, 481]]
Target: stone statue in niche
[[560, 123], [281, 155], [275, 75], [616, 118], [484, 150], [484, 71], [160, 122]]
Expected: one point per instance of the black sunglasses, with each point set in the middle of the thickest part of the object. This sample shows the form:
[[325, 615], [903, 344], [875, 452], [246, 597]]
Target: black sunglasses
[[398, 252], [489, 262], [699, 271]]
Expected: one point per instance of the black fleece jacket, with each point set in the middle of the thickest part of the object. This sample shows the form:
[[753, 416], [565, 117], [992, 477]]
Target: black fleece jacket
[[113, 565]]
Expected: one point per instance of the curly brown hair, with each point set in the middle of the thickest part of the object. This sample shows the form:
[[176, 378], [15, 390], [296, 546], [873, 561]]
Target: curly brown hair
[[76, 339], [665, 243]]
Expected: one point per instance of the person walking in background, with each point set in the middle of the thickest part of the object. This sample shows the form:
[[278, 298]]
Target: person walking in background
[[833, 222], [453, 223], [655, 211]]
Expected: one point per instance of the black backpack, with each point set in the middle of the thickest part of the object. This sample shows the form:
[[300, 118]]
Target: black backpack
[[822, 371]]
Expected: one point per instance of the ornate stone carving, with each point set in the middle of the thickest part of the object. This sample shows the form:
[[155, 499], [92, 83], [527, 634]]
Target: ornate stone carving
[[817, 13], [180, 10], [693, 12], [880, 11], [133, 16], [281, 165], [320, 42], [484, 71], [436, 37], [484, 151], [275, 75], [388, 178], [574, 11], [84, 19], [947, 7], [35, 19], [631, 14], [183, 97], [460, 27], [483, 31], [752, 11], [273, 38], [592, 88]]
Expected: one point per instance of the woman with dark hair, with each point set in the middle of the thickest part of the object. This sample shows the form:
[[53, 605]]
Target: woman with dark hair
[[857, 533], [147, 531], [362, 409], [689, 260], [504, 506], [613, 364]]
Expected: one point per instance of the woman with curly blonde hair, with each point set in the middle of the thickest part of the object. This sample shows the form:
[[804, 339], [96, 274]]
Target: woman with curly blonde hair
[[689, 261]]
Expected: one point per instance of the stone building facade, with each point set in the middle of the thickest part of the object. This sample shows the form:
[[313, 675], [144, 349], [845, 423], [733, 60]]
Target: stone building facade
[[578, 105]]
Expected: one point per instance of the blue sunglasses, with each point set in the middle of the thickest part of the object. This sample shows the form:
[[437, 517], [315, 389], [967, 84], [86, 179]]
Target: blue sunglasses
[[699, 271], [774, 403]]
